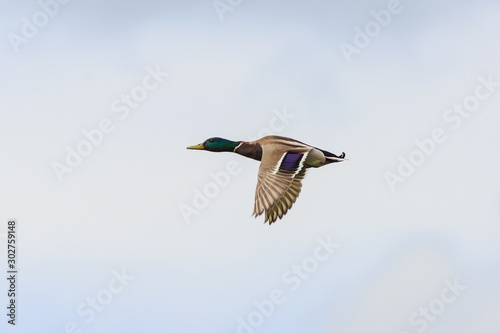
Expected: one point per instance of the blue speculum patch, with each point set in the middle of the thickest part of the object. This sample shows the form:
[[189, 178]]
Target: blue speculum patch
[[291, 162]]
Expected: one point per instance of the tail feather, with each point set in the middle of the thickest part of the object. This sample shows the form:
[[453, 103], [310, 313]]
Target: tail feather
[[332, 158]]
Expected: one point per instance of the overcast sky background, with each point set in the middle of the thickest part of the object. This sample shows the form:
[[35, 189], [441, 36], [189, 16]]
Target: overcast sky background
[[120, 209]]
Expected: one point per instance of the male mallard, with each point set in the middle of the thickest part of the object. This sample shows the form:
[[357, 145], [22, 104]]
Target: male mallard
[[284, 163]]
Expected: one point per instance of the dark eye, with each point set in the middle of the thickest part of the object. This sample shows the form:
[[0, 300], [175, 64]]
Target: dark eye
[[210, 140]]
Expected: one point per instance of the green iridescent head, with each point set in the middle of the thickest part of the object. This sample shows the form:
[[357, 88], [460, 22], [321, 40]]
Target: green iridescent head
[[217, 145]]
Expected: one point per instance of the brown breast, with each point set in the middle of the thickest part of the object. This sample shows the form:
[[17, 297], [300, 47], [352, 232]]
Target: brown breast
[[250, 150]]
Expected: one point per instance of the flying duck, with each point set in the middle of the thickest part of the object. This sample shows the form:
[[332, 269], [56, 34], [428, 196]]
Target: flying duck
[[284, 162]]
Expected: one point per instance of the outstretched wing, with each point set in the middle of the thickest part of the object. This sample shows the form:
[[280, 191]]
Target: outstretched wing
[[279, 183]]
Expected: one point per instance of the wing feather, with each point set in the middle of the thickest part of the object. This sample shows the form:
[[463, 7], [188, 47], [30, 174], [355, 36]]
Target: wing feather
[[279, 182]]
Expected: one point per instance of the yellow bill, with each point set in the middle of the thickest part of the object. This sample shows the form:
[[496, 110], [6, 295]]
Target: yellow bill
[[200, 146]]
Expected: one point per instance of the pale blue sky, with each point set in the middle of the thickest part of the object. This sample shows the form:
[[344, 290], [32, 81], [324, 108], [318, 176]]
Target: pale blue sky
[[120, 208]]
